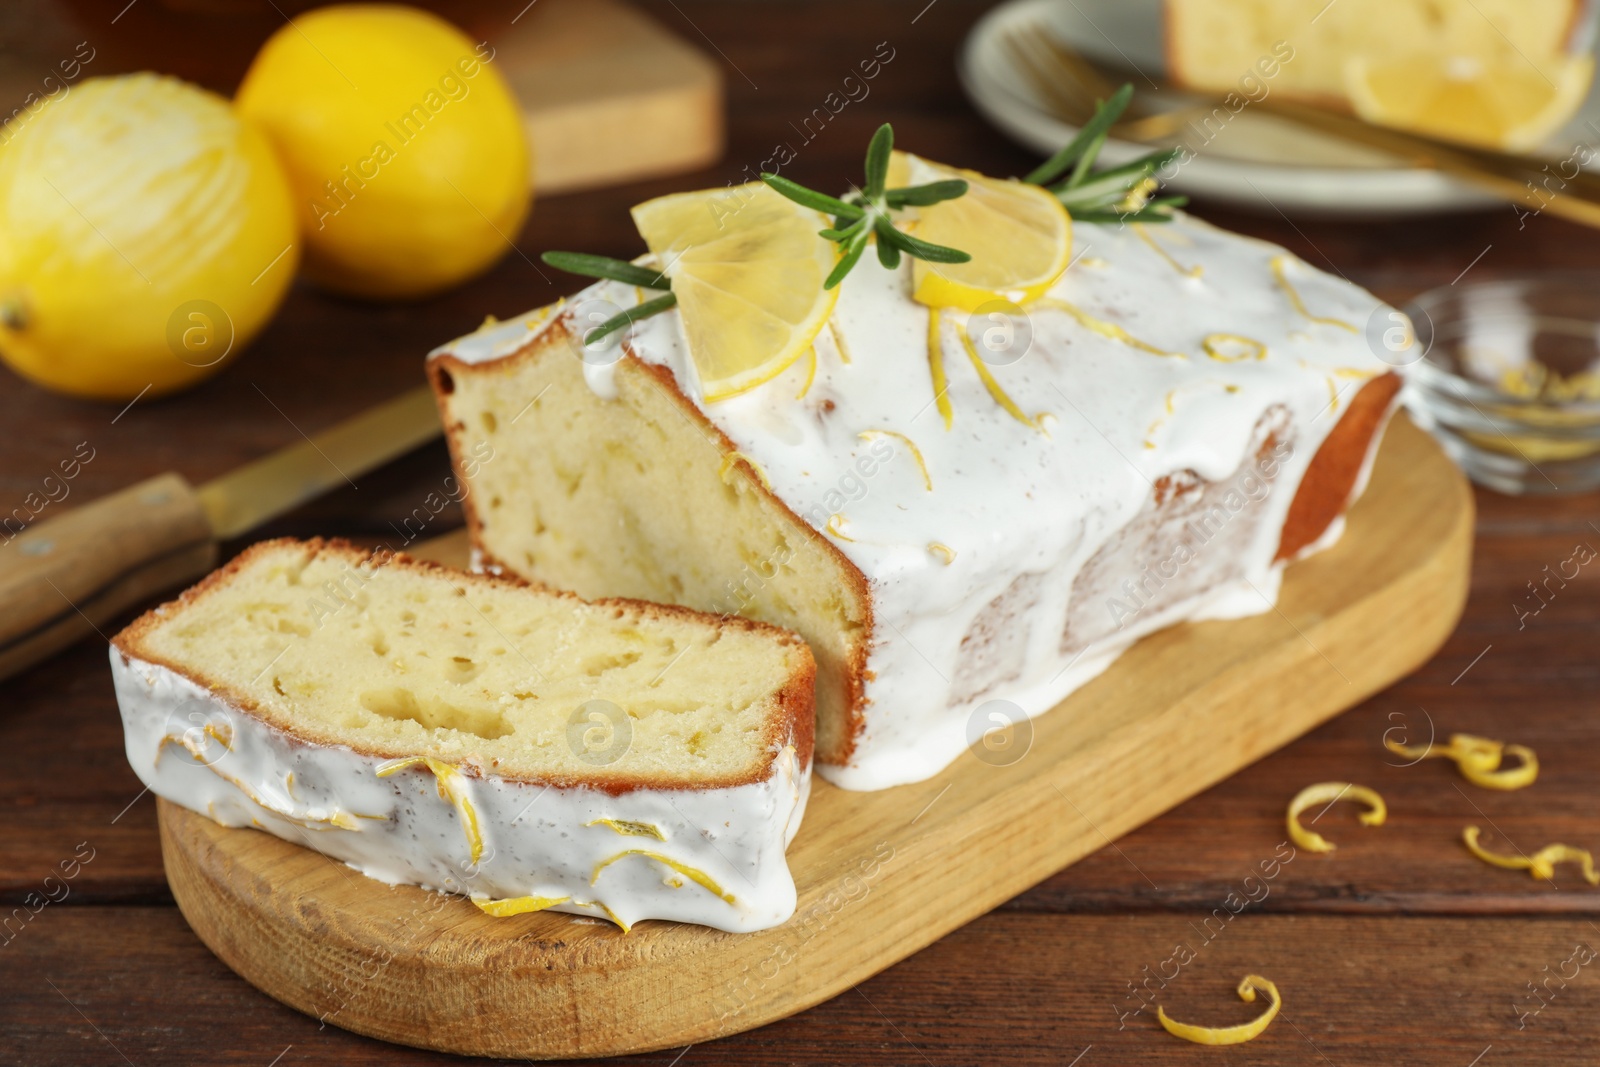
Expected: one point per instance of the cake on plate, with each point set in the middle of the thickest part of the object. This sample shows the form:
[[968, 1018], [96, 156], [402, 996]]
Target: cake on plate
[[967, 511], [1502, 72], [470, 734]]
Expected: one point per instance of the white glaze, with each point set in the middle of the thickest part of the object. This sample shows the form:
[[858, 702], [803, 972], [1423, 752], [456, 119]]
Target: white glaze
[[537, 840], [1010, 500]]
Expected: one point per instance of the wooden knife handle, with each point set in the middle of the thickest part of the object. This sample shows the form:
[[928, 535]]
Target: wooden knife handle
[[71, 575]]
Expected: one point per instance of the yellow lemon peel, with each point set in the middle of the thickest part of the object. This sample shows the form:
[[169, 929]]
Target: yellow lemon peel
[[1330, 792], [451, 788], [1149, 239], [838, 341], [811, 372], [941, 389], [501, 909], [1229, 1035], [694, 874], [732, 458], [1478, 760], [836, 527], [1281, 275], [989, 383], [1232, 347], [1103, 328], [1542, 864], [911, 446], [630, 829], [946, 554]]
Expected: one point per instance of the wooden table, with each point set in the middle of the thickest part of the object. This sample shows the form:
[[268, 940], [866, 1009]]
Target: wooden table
[[1400, 948]]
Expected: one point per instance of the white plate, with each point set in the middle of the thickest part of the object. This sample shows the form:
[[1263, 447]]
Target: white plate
[[1257, 162]]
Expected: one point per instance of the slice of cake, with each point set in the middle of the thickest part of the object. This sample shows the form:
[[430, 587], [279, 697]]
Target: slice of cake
[[1496, 71], [471, 734], [1182, 414]]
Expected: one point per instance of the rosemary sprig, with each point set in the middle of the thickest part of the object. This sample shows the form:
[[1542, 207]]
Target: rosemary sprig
[[616, 270], [869, 212], [1118, 194]]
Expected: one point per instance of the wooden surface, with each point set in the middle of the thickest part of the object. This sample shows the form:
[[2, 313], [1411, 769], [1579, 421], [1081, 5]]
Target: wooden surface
[[880, 874], [1399, 949], [59, 580], [609, 93]]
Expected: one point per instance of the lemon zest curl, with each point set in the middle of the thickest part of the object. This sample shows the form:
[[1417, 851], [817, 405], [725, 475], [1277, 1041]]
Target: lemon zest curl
[[1229, 1035], [1541, 865], [1331, 792], [1478, 760]]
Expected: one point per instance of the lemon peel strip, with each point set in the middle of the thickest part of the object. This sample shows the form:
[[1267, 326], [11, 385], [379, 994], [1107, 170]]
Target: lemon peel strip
[[1478, 759], [1278, 272], [1103, 328], [941, 390], [1331, 792], [836, 527], [1213, 341], [222, 733], [1541, 865], [1229, 1035], [630, 829], [946, 554], [694, 874], [990, 384], [838, 340], [916, 453], [734, 457], [1149, 239], [811, 373], [451, 788], [501, 909]]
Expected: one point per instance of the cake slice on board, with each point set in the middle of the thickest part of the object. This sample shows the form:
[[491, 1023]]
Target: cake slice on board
[[476, 735]]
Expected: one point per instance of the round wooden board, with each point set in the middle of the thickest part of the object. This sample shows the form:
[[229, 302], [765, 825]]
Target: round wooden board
[[881, 874]]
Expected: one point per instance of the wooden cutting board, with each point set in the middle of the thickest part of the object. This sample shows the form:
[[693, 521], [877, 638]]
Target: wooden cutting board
[[609, 95], [880, 874]]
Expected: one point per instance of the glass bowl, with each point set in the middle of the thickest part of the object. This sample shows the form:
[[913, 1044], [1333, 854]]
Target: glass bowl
[[1506, 375]]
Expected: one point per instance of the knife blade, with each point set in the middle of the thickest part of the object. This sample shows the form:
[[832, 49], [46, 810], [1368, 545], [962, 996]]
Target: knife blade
[[72, 574]]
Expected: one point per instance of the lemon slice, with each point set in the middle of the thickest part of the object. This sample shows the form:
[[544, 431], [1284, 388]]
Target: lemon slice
[[1511, 104], [1019, 237], [747, 268]]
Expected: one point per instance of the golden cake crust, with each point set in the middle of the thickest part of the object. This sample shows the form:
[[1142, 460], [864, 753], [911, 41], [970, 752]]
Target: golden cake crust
[[552, 338], [793, 723]]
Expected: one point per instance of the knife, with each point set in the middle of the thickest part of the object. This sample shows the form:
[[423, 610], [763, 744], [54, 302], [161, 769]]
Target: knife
[[71, 575]]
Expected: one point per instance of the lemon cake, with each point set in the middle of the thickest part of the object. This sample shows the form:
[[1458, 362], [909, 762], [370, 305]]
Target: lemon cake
[[965, 515], [1507, 72], [471, 734]]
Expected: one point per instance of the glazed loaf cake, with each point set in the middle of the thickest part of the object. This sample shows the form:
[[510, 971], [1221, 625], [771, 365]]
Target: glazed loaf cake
[[1200, 409], [474, 735]]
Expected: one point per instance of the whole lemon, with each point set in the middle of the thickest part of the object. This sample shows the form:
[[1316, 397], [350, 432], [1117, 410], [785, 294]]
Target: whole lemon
[[406, 151], [146, 234]]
